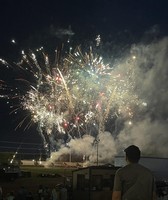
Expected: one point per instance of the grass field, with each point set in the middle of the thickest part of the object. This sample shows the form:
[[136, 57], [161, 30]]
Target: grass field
[[48, 177]]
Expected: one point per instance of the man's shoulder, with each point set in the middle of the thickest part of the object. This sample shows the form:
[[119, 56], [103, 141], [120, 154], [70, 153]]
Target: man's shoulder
[[135, 166], [140, 166], [122, 169], [145, 169]]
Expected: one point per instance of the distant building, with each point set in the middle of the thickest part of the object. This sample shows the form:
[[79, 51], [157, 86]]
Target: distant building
[[93, 183], [33, 162]]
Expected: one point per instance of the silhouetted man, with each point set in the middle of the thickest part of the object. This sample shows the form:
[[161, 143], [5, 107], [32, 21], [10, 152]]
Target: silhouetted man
[[134, 181]]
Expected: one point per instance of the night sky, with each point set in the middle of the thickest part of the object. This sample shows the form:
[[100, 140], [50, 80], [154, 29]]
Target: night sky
[[30, 22], [37, 23]]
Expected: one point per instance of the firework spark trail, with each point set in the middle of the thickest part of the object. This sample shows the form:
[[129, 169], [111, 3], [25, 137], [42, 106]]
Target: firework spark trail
[[76, 95], [67, 91]]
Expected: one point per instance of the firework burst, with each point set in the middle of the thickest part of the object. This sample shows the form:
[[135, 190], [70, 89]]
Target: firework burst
[[75, 96]]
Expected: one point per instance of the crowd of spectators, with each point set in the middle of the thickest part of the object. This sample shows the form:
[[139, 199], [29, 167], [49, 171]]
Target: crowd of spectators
[[58, 192]]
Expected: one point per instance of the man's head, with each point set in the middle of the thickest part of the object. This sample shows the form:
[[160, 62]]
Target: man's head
[[132, 154]]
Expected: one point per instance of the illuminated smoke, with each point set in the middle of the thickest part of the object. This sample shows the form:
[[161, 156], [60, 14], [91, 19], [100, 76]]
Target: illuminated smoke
[[79, 99]]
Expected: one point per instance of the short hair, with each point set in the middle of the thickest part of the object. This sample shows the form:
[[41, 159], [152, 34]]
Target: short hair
[[133, 153]]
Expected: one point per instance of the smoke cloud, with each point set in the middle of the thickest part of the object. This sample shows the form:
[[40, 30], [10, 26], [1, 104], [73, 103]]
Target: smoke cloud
[[149, 126]]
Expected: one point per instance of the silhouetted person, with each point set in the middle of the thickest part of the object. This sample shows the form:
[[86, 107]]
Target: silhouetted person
[[63, 193], [29, 196], [54, 195], [41, 192], [10, 196], [22, 193], [133, 181], [1, 193]]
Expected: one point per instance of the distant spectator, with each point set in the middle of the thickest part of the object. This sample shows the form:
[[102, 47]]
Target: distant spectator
[[11, 196], [22, 193], [54, 194], [69, 192], [41, 192], [58, 192], [29, 196], [63, 193], [46, 193], [1, 193]]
